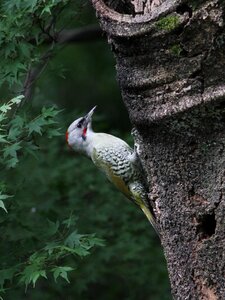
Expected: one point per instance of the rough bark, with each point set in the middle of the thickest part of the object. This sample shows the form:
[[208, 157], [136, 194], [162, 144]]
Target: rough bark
[[171, 69]]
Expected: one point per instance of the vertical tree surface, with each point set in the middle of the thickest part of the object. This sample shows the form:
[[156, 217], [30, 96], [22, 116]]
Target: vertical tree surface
[[171, 70]]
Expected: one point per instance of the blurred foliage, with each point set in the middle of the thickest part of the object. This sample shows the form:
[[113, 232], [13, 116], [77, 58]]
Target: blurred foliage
[[55, 208]]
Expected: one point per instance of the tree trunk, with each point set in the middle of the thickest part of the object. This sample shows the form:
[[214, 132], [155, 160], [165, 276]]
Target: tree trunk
[[171, 70]]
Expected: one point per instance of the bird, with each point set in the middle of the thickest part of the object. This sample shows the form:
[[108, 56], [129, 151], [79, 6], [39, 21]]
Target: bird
[[115, 158]]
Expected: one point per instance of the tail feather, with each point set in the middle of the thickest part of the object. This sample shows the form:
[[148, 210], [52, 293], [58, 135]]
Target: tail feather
[[151, 219], [140, 197]]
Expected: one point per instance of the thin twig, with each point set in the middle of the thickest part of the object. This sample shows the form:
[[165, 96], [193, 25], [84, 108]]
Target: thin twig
[[85, 34], [34, 73], [88, 33]]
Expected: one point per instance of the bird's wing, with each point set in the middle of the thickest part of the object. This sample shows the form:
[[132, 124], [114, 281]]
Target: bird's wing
[[116, 165]]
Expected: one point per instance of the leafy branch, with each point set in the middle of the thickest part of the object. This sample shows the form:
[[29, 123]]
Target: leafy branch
[[28, 251], [19, 133], [50, 258]]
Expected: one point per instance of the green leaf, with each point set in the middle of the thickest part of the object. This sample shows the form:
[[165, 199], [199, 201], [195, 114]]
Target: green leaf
[[37, 259], [2, 117], [11, 150], [94, 241], [50, 247], [14, 132], [36, 126], [10, 49], [18, 121], [78, 250], [12, 162], [3, 197], [46, 9], [31, 274], [73, 239], [25, 48], [3, 187], [34, 277], [3, 138], [71, 221], [50, 112], [5, 107], [17, 99], [2, 205], [33, 3], [61, 272]]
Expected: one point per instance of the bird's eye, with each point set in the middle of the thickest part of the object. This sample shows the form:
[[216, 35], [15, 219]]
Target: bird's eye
[[80, 123]]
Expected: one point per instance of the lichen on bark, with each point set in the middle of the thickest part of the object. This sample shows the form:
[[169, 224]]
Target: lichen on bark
[[172, 79]]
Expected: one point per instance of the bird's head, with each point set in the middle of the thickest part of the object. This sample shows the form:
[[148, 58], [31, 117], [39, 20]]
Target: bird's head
[[78, 132]]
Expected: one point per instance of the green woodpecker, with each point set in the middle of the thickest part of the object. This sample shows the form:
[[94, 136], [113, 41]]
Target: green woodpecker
[[114, 157]]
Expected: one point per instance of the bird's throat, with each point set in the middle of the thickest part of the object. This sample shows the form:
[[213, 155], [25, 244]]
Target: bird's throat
[[84, 134]]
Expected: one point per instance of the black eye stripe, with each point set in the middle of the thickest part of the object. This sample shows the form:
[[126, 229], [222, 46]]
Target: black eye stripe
[[80, 123]]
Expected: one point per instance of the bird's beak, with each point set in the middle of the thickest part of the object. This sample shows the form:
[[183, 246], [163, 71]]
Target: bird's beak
[[89, 115]]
